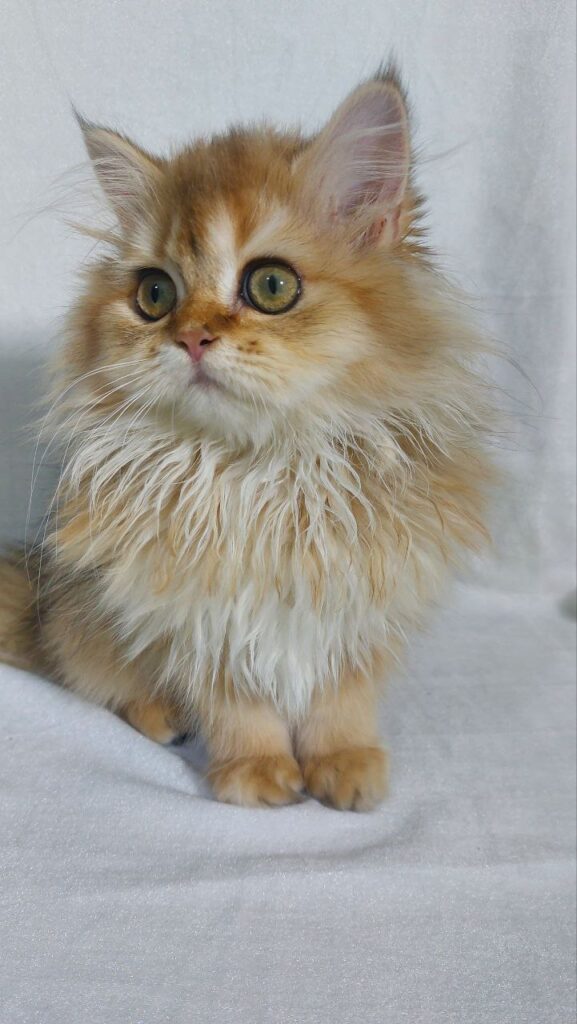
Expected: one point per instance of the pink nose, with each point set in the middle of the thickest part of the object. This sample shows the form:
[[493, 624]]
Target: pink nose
[[196, 342]]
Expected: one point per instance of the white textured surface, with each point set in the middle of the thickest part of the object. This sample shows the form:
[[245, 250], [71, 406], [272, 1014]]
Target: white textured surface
[[128, 896]]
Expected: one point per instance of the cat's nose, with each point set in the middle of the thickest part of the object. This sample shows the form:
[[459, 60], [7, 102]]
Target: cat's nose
[[196, 341]]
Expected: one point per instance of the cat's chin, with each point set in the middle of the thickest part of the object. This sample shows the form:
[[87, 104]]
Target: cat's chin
[[217, 412], [204, 381], [210, 400]]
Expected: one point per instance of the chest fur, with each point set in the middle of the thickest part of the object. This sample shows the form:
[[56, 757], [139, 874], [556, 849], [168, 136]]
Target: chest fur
[[277, 571]]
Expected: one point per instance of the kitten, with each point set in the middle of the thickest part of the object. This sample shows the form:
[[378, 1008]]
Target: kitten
[[273, 451]]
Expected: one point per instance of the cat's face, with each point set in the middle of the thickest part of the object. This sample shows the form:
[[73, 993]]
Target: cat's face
[[257, 278]]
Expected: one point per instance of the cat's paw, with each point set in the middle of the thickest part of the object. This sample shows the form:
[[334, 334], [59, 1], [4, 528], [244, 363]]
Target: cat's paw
[[354, 779], [155, 719], [258, 781]]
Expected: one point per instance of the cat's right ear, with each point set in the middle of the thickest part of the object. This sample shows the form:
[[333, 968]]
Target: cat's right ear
[[128, 176]]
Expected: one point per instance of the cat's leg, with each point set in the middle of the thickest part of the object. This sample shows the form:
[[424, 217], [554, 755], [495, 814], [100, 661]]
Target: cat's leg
[[90, 660], [251, 759], [337, 745]]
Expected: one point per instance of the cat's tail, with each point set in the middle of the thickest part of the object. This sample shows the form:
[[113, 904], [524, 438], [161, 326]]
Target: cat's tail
[[19, 629]]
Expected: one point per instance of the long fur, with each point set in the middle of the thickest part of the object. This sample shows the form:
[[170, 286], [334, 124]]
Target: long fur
[[287, 526]]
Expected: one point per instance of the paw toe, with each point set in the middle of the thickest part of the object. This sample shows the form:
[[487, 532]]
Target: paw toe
[[258, 781], [352, 779]]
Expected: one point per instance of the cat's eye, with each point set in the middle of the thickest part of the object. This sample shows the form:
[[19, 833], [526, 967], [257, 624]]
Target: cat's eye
[[270, 286], [156, 295]]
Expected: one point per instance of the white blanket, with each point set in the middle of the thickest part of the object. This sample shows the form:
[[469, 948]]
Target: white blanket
[[131, 897]]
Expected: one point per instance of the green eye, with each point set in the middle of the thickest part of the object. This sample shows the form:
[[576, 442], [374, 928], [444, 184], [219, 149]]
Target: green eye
[[270, 286], [156, 295]]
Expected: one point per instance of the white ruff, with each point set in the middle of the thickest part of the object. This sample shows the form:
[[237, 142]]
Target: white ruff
[[260, 563]]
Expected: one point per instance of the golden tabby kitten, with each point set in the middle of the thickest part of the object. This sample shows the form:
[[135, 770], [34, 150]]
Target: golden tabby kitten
[[273, 451]]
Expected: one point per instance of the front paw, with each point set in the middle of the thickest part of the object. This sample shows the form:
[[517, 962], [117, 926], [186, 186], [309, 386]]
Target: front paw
[[155, 719], [354, 779], [270, 780]]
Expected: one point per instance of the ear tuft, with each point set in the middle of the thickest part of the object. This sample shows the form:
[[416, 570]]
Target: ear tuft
[[389, 74], [356, 171], [129, 176]]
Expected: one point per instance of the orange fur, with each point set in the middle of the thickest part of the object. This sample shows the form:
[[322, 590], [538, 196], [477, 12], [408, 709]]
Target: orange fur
[[155, 719], [338, 746], [19, 616], [243, 547], [250, 749]]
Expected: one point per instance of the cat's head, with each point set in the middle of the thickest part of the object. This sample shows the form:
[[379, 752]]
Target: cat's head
[[259, 278]]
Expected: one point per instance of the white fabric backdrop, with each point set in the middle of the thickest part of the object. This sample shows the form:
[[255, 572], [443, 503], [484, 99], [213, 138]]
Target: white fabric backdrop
[[131, 897]]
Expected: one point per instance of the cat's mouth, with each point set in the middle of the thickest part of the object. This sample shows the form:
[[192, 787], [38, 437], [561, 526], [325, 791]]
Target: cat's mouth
[[203, 380]]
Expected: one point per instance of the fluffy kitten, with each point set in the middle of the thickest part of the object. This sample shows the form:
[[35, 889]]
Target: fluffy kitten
[[273, 451]]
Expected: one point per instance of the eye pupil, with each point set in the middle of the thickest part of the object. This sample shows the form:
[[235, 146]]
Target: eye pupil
[[273, 284], [155, 292]]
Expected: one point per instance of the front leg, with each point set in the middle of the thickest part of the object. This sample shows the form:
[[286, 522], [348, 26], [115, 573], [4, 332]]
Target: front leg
[[251, 759], [337, 745]]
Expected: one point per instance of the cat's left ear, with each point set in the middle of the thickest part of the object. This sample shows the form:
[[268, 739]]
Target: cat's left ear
[[129, 177], [355, 173]]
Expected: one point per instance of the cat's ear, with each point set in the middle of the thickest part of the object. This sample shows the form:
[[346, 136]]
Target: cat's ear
[[355, 173], [129, 176]]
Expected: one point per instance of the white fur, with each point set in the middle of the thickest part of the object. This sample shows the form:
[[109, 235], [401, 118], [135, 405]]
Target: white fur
[[257, 617], [221, 245], [264, 240]]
